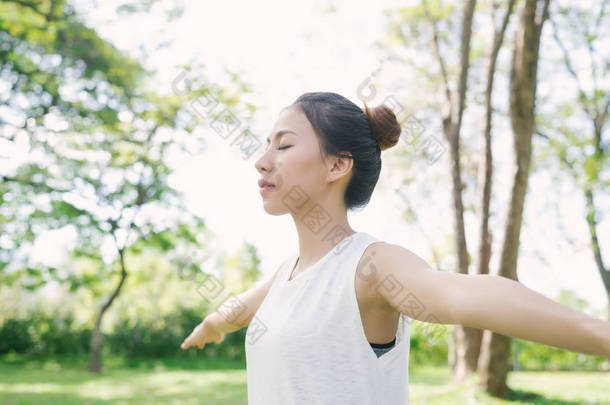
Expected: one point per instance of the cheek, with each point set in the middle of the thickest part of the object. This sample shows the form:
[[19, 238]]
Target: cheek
[[304, 172]]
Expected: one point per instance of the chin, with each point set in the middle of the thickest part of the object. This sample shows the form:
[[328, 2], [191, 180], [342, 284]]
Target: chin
[[272, 209]]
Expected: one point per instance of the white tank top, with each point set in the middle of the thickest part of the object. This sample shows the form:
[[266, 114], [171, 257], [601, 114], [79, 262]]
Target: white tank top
[[306, 343]]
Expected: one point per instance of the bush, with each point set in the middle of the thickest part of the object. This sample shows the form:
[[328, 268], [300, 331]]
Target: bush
[[534, 356], [429, 343], [43, 334], [161, 338], [15, 335]]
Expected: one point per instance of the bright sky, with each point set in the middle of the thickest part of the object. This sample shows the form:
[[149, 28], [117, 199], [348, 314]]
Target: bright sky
[[287, 48]]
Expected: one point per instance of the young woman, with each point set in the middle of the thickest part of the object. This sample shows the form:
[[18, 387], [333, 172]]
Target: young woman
[[331, 325]]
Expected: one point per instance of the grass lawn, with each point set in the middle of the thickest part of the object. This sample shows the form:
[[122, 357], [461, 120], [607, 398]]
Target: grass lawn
[[185, 381]]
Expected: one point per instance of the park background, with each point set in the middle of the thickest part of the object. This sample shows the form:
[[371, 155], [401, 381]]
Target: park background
[[128, 136]]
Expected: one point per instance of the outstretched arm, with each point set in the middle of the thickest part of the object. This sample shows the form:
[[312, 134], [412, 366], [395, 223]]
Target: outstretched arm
[[408, 284]]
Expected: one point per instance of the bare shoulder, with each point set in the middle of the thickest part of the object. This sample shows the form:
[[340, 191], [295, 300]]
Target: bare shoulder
[[385, 252], [379, 259], [397, 279], [369, 277]]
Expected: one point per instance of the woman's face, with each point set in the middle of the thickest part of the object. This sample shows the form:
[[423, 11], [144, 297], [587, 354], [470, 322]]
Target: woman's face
[[292, 162]]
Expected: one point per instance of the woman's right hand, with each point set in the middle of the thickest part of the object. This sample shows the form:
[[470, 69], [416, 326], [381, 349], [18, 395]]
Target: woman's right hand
[[202, 334]]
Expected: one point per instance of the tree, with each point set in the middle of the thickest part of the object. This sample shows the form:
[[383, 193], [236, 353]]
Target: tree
[[98, 145], [437, 17], [453, 111], [59, 76], [471, 356], [583, 152], [523, 82]]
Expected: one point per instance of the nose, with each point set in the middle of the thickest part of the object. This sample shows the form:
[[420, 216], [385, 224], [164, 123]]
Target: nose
[[262, 164], [265, 166]]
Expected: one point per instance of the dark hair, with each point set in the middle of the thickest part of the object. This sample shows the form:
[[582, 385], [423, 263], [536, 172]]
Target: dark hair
[[342, 126]]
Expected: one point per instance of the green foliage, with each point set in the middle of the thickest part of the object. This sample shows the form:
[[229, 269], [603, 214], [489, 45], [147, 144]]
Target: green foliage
[[158, 308], [108, 161], [47, 47], [15, 335], [574, 128], [429, 343], [241, 269], [145, 338], [535, 356], [44, 334]]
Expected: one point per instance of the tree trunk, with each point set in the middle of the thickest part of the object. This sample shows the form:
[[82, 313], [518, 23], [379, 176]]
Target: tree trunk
[[598, 122], [599, 262], [95, 363], [451, 351], [485, 172], [495, 356], [465, 337], [452, 122]]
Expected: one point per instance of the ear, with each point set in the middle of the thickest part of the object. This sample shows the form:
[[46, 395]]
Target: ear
[[340, 166]]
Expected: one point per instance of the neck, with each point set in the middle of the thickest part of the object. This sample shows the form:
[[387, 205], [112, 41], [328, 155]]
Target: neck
[[319, 230]]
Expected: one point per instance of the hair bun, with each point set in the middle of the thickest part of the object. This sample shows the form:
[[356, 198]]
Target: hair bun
[[384, 125]]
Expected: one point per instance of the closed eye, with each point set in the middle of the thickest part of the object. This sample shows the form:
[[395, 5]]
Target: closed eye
[[284, 147]]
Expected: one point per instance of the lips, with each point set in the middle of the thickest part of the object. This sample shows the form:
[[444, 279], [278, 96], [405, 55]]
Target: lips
[[263, 183]]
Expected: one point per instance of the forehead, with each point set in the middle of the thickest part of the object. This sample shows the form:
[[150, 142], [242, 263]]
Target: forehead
[[290, 121]]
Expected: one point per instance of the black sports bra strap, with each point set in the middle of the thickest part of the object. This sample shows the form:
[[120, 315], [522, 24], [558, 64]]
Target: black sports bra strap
[[383, 345]]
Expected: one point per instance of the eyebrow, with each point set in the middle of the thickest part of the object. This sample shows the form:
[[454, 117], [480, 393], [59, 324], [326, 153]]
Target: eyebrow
[[282, 132]]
